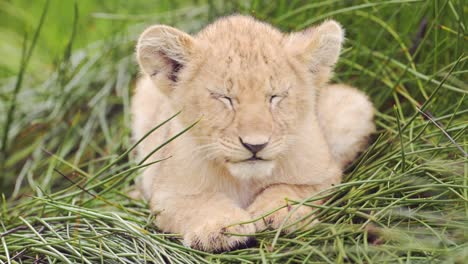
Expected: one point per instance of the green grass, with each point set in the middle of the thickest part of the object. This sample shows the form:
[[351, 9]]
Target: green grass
[[65, 89]]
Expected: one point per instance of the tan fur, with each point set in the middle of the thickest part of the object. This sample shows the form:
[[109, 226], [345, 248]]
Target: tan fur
[[276, 83]]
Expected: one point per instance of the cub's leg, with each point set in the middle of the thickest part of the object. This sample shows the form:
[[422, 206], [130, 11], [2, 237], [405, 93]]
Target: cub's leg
[[207, 222], [346, 116], [276, 196]]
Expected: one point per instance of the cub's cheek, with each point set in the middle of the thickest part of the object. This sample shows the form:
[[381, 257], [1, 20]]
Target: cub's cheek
[[274, 150]]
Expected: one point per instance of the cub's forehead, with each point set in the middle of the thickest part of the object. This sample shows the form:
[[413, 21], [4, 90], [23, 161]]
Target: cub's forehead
[[242, 35], [239, 25], [243, 46]]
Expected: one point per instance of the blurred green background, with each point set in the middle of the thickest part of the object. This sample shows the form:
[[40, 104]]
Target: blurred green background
[[96, 20]]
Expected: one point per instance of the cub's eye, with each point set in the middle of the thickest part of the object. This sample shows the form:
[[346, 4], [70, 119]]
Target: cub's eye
[[275, 99], [227, 101]]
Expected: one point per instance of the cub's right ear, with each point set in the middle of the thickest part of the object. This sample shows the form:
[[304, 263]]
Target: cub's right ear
[[318, 47], [162, 51]]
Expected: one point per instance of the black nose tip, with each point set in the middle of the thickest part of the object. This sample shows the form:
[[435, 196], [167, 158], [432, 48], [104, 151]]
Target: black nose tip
[[254, 148]]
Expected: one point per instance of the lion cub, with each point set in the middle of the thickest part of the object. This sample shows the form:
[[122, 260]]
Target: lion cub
[[270, 127]]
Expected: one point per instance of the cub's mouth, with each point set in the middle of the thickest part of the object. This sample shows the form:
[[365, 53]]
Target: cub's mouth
[[252, 160]]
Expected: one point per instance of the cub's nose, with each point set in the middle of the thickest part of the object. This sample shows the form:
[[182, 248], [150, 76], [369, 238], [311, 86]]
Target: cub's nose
[[254, 148]]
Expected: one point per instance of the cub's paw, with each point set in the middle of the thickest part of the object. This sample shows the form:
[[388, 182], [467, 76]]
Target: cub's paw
[[289, 218], [216, 235]]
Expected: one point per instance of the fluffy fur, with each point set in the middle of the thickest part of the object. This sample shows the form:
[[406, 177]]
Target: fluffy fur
[[249, 84]]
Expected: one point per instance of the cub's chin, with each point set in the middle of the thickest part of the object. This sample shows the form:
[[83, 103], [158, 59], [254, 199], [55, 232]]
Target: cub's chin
[[251, 169]]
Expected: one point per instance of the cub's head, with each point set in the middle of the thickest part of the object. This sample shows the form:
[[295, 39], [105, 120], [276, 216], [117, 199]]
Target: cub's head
[[252, 85]]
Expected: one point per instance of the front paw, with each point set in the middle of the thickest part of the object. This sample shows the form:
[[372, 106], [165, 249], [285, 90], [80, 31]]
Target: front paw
[[289, 218], [217, 235]]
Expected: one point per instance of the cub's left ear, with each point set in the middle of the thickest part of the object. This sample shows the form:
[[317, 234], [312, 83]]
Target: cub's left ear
[[319, 47], [162, 51]]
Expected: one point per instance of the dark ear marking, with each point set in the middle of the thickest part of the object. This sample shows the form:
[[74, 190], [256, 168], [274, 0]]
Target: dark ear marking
[[176, 67]]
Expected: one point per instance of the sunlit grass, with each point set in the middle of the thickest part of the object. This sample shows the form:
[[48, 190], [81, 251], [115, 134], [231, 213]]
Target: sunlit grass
[[66, 164]]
